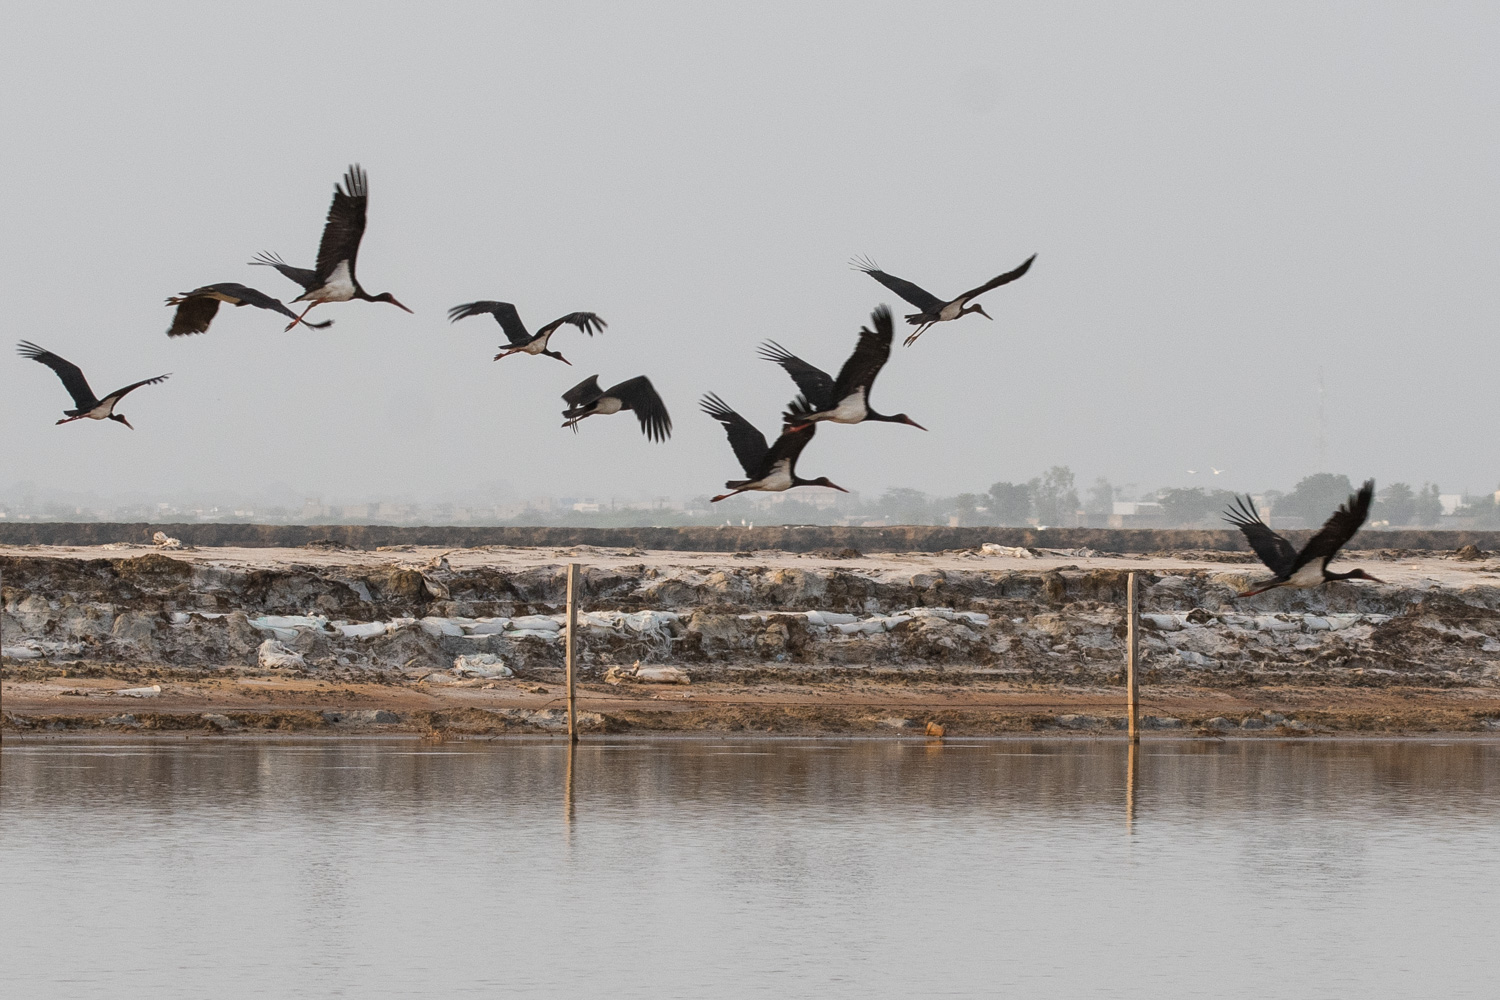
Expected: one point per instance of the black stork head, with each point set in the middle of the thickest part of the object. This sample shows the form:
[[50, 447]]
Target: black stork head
[[121, 418], [822, 481], [1355, 574], [558, 356], [897, 418], [387, 297], [977, 308]]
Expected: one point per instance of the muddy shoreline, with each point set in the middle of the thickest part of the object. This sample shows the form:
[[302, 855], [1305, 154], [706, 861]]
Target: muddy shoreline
[[464, 643]]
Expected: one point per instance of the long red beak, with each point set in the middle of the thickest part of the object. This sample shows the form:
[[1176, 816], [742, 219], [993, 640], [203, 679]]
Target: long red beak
[[126, 422], [400, 306]]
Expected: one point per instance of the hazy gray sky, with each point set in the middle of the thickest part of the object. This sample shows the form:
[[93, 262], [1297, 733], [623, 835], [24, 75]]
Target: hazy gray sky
[[1223, 198]]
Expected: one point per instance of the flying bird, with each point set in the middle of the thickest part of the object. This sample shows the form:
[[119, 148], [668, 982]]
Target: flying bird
[[771, 468], [88, 405], [1307, 568], [846, 399], [586, 399], [196, 309], [522, 342], [333, 280], [933, 309]]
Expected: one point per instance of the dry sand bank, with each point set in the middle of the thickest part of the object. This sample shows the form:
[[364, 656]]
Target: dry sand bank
[[341, 640]]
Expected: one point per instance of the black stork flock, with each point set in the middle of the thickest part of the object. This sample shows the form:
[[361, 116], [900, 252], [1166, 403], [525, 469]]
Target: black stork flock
[[769, 466]]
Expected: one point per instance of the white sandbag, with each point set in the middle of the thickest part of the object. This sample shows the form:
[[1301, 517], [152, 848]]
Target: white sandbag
[[362, 630], [487, 626], [542, 623], [481, 665], [522, 633], [290, 621], [662, 675], [440, 627], [143, 692], [1009, 551]]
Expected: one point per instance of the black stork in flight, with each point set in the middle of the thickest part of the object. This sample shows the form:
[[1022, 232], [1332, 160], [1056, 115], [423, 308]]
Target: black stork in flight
[[771, 468], [333, 280], [933, 309], [522, 342], [196, 309], [1307, 568], [846, 399], [586, 399], [88, 405]]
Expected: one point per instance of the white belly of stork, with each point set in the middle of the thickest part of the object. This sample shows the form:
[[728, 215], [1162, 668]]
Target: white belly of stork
[[951, 311], [608, 404], [103, 410], [780, 478], [851, 409], [338, 288], [1308, 576]]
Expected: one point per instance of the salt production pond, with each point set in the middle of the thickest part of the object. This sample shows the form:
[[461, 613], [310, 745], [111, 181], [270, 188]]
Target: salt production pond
[[750, 868]]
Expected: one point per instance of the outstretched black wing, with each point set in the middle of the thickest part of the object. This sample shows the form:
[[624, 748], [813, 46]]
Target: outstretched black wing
[[305, 277], [588, 322], [71, 374], [196, 309], [748, 443], [996, 282], [345, 226], [915, 294], [583, 393], [505, 314], [120, 394], [870, 355], [194, 313], [815, 383], [797, 410], [1338, 529], [640, 395], [790, 445], [1276, 552]]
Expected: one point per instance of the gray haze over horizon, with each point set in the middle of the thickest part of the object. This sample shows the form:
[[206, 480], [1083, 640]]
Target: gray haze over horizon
[[1222, 200]]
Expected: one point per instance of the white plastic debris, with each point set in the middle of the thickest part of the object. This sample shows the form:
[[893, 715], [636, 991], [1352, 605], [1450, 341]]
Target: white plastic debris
[[142, 692], [650, 622], [164, 541], [1162, 623], [1009, 551], [21, 653], [481, 665], [274, 656]]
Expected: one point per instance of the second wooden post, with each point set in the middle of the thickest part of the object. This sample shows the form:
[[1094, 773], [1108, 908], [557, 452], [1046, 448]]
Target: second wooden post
[[572, 648], [1133, 654]]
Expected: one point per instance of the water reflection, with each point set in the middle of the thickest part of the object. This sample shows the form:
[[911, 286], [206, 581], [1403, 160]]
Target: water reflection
[[696, 868]]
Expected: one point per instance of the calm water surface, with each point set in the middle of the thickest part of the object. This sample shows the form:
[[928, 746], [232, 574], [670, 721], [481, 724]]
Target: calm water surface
[[750, 869]]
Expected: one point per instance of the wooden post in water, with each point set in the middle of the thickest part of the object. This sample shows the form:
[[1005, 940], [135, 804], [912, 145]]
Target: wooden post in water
[[1133, 654], [572, 649]]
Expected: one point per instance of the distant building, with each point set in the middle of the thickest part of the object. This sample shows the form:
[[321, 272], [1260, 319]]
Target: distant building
[[1451, 502], [1136, 514]]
